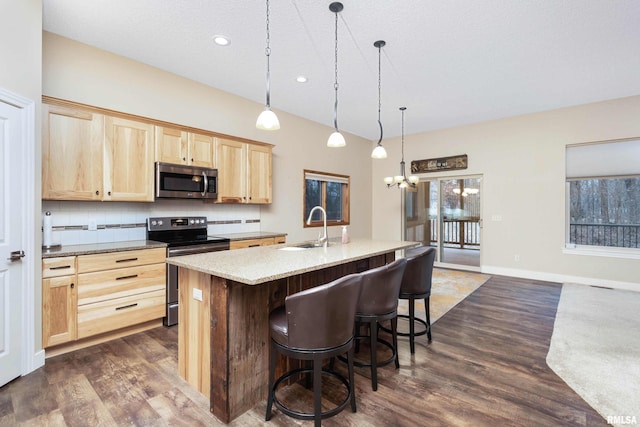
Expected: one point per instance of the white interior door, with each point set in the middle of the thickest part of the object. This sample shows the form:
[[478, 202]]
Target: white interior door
[[12, 191]]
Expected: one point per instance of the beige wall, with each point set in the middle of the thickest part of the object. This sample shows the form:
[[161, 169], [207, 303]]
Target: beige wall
[[88, 75], [522, 161]]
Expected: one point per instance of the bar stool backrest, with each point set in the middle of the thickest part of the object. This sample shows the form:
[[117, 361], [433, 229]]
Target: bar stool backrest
[[419, 271], [380, 288], [322, 317]]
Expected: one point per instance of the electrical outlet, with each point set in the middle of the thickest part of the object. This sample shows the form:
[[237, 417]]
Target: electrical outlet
[[197, 294], [92, 225], [516, 257]]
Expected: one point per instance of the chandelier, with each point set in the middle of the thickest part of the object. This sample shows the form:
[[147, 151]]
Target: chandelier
[[401, 180]]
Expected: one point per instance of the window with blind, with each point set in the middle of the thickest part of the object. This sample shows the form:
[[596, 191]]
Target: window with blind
[[331, 191], [603, 194]]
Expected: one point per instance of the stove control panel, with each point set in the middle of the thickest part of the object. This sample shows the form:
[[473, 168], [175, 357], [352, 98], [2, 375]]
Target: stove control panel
[[176, 223]]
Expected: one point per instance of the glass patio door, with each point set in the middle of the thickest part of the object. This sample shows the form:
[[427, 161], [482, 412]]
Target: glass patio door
[[445, 213]]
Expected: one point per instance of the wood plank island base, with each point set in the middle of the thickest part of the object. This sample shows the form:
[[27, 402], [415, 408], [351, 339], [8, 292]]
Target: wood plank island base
[[225, 299]]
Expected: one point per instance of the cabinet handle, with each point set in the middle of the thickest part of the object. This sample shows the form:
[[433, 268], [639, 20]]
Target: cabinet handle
[[253, 246], [126, 306], [72, 286], [108, 193], [184, 159], [60, 267], [127, 277], [127, 259], [97, 193]]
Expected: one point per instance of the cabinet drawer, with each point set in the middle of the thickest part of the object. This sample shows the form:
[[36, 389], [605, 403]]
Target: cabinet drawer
[[250, 243], [55, 267], [120, 282], [98, 262], [118, 313]]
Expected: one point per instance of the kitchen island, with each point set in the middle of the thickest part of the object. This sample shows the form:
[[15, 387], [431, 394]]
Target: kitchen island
[[225, 299]]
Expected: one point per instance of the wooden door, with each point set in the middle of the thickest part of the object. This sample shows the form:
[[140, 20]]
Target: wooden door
[[232, 171], [59, 310], [128, 160], [171, 145], [72, 142], [259, 173], [201, 150]]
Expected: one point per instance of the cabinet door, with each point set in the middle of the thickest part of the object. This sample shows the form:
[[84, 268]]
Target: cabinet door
[[259, 174], [128, 160], [232, 170], [59, 315], [171, 145], [72, 143], [201, 150]]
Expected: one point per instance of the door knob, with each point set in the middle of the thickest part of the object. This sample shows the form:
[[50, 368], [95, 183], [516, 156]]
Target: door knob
[[16, 256]]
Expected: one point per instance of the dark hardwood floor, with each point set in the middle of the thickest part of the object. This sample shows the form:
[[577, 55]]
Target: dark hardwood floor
[[485, 367]]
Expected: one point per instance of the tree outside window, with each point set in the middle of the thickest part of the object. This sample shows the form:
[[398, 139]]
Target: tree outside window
[[331, 191]]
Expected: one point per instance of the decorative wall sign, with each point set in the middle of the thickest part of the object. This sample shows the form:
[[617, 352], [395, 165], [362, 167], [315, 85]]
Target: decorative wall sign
[[440, 164]]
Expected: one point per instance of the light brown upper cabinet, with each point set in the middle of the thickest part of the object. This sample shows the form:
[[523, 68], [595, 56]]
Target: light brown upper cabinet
[[72, 143], [91, 156], [244, 172], [128, 160], [184, 148]]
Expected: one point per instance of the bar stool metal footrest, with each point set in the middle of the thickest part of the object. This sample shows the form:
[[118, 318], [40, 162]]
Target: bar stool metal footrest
[[310, 415]]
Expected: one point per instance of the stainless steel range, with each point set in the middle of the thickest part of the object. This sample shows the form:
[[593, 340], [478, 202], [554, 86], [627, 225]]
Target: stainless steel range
[[184, 236]]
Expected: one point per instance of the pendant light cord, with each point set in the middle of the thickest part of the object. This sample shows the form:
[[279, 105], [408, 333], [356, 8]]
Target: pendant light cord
[[267, 52], [380, 44], [335, 85]]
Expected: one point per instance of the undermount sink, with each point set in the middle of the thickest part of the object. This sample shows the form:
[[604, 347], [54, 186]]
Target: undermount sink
[[302, 246]]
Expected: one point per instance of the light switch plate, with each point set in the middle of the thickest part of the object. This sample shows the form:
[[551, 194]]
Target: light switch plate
[[92, 225], [197, 294]]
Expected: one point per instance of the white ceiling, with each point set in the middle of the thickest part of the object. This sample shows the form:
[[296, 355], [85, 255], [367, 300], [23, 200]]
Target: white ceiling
[[450, 62]]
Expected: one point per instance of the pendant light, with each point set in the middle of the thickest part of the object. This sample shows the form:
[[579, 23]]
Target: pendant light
[[379, 152], [267, 120], [336, 139], [401, 180]]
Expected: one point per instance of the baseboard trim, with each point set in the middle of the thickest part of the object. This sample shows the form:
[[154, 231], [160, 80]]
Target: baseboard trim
[[561, 278]]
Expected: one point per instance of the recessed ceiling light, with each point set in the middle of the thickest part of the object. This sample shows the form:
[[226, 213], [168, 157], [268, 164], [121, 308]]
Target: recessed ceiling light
[[221, 40], [301, 79]]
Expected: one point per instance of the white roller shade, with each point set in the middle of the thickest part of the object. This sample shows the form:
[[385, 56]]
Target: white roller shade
[[603, 159], [328, 178]]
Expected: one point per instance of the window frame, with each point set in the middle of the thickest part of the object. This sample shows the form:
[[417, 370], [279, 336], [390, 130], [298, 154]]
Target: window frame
[[593, 170], [346, 189]]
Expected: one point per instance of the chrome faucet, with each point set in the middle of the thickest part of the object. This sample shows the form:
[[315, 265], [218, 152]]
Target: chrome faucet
[[324, 239]]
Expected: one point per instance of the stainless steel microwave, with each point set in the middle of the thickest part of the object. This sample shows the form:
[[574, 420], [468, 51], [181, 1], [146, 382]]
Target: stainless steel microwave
[[185, 182]]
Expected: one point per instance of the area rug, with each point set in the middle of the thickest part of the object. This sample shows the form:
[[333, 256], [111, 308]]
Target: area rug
[[595, 349], [448, 288]]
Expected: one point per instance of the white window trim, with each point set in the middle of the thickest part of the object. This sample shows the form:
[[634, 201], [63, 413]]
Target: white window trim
[[601, 251]]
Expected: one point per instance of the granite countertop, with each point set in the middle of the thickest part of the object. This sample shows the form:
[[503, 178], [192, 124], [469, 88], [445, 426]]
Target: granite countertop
[[249, 235], [98, 248], [253, 266]]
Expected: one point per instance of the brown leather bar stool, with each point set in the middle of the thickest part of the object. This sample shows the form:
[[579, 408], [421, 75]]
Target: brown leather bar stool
[[416, 284], [314, 325], [379, 301]]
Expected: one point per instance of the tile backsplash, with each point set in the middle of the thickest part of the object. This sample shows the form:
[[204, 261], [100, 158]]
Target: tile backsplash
[[120, 221]]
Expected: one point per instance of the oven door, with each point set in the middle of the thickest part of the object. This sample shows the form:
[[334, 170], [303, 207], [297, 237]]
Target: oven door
[[185, 182], [172, 275]]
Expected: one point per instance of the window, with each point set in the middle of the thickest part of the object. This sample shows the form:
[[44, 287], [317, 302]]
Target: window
[[603, 194], [331, 191]]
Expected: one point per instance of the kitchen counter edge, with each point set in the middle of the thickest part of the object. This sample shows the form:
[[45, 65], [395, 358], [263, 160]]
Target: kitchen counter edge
[[254, 266], [99, 248]]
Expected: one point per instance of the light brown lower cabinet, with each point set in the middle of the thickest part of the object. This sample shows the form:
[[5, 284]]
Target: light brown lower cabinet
[[249, 243], [106, 292], [59, 301]]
